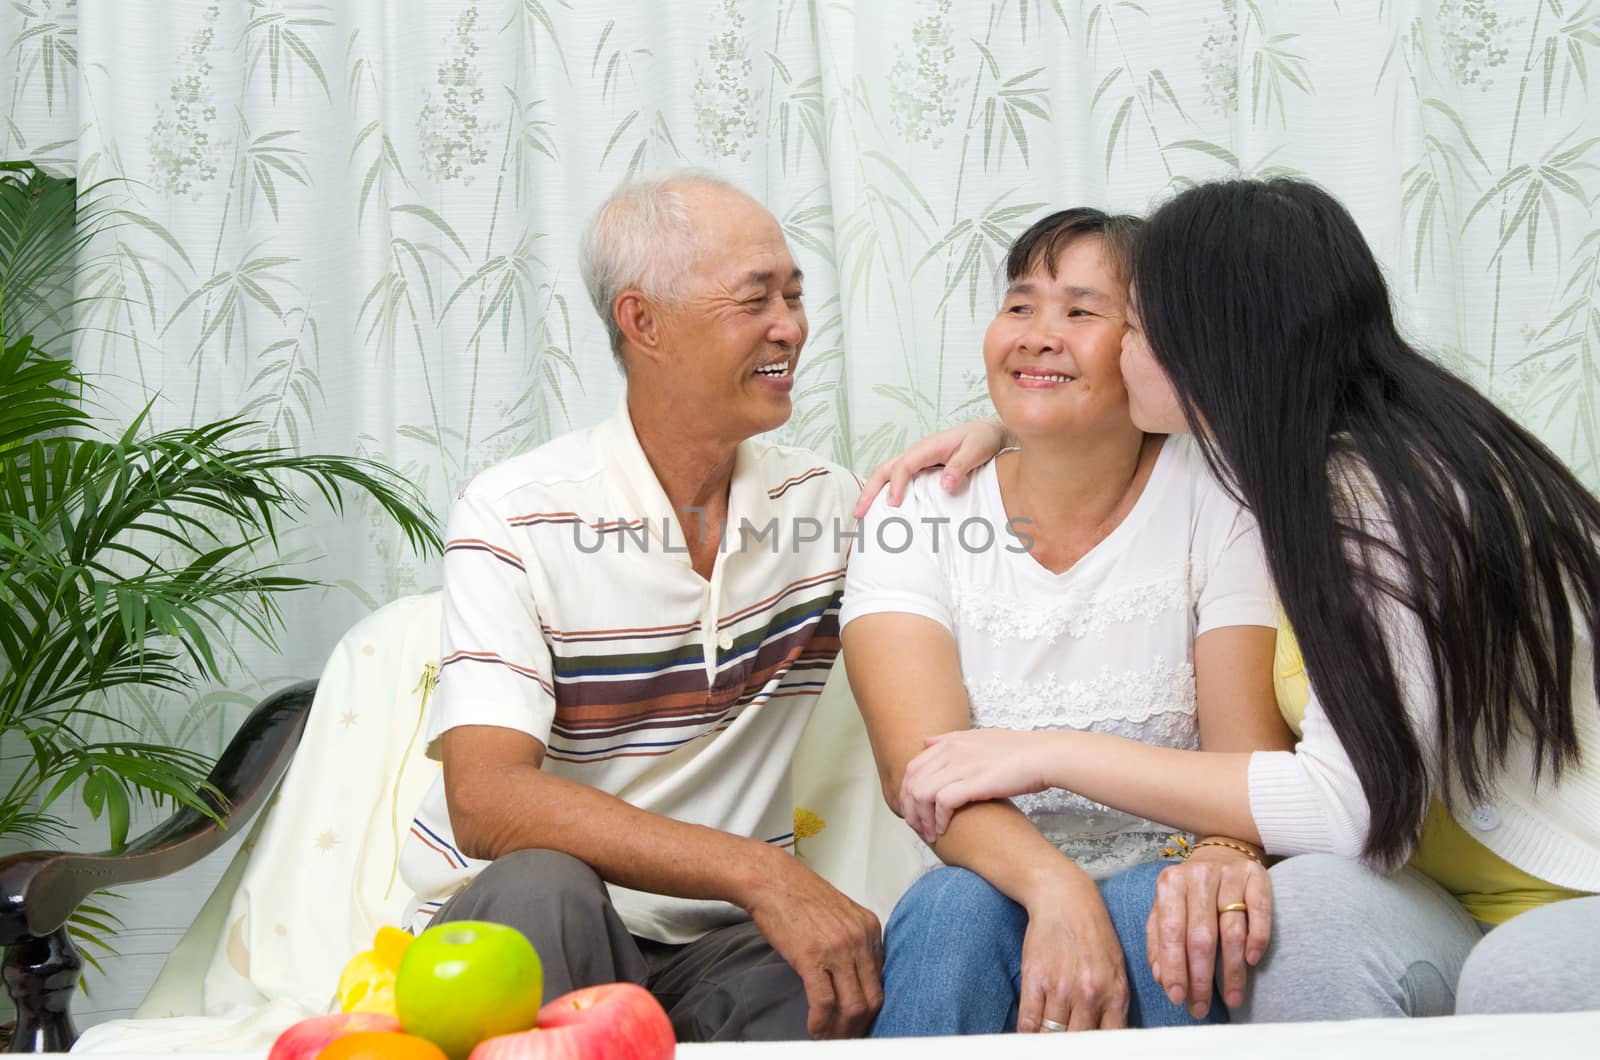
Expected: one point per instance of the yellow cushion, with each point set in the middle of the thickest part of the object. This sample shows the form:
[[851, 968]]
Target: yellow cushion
[[1490, 888]]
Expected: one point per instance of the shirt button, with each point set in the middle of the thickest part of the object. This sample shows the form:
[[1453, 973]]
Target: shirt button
[[725, 641], [1485, 818]]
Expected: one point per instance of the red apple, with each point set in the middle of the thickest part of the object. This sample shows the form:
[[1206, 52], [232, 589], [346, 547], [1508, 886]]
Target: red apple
[[305, 1039], [617, 1021]]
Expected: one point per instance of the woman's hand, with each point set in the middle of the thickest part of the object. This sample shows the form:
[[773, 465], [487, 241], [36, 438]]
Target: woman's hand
[[972, 765], [1072, 968], [960, 449], [1192, 920]]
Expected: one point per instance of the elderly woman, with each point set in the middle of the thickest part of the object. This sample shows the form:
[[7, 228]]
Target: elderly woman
[[1095, 578]]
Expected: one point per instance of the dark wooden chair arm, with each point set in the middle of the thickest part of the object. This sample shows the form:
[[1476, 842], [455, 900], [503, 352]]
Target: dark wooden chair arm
[[40, 889]]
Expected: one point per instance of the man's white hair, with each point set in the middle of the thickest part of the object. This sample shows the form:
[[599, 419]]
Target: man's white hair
[[641, 237]]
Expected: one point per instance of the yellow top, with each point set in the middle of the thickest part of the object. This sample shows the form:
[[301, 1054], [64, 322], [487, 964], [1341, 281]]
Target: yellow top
[[1490, 888]]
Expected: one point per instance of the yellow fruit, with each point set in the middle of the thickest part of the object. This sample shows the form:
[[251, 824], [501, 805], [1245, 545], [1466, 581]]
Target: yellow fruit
[[390, 945], [367, 982]]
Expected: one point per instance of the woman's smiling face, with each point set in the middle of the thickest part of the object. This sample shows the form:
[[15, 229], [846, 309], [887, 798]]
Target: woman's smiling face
[[1053, 352]]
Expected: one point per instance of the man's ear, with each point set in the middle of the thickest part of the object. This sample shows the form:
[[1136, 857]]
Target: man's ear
[[639, 321]]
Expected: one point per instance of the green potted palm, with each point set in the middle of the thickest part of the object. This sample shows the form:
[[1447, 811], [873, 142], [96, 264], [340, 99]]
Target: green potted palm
[[131, 559]]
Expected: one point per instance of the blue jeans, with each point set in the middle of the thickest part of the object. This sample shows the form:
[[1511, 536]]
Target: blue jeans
[[953, 956]]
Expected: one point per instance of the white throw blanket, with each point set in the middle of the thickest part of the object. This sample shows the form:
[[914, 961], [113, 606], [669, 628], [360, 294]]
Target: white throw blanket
[[268, 946]]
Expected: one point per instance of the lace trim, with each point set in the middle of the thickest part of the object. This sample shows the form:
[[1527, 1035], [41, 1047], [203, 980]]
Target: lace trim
[[1074, 615], [1116, 701], [1105, 856], [1068, 818]]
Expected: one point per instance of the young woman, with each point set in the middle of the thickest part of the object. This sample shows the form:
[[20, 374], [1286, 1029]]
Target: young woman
[[1098, 578], [1438, 568]]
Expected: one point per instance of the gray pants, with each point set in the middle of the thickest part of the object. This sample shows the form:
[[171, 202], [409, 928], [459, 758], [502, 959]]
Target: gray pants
[[730, 985], [1348, 943]]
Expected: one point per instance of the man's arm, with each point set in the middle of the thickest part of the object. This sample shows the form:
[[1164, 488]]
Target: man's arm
[[489, 718], [500, 801]]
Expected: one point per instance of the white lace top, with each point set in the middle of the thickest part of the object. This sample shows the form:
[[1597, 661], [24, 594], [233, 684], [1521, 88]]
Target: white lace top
[[1105, 646]]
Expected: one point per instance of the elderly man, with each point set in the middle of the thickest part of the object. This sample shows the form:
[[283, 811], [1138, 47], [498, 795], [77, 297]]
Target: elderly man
[[630, 653]]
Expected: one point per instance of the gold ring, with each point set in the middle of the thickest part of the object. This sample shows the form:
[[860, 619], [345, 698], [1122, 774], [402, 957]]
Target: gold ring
[[1236, 907]]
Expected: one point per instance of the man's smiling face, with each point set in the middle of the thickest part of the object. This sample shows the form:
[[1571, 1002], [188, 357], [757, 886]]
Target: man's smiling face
[[733, 337]]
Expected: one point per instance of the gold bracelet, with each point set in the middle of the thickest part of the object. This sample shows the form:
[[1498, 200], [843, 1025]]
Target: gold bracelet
[[1246, 851]]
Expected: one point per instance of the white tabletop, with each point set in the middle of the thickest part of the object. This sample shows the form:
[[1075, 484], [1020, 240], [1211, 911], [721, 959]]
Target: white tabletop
[[1461, 1038]]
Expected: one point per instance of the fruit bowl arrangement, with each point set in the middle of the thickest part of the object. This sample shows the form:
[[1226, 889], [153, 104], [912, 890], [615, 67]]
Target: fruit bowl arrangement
[[472, 990]]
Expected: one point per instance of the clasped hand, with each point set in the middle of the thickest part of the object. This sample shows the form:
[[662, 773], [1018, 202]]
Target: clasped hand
[[973, 765], [833, 944], [1072, 972], [1213, 909]]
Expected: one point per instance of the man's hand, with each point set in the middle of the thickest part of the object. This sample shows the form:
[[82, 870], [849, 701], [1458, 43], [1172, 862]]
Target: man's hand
[[1187, 926], [960, 449], [835, 945], [1072, 968]]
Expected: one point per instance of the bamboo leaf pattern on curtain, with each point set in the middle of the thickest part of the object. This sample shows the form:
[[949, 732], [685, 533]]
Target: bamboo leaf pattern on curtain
[[356, 220]]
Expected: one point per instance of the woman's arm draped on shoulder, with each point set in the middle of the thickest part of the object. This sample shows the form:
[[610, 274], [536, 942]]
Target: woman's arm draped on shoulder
[[961, 450]]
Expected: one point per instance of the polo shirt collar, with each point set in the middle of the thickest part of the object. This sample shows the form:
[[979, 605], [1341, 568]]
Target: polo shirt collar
[[641, 495]]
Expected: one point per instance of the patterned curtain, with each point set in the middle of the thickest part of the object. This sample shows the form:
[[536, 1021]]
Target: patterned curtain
[[356, 220]]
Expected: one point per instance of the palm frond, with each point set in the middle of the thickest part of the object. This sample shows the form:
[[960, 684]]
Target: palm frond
[[138, 561], [46, 224], [133, 561], [40, 396]]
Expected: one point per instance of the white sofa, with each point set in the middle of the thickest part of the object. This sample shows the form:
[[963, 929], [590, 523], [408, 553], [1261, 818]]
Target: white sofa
[[317, 875]]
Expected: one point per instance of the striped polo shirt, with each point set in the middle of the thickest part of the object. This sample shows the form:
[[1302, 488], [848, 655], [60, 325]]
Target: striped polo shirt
[[572, 613]]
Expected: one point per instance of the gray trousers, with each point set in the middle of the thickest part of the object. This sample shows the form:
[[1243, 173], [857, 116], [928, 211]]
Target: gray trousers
[[1348, 943], [730, 985]]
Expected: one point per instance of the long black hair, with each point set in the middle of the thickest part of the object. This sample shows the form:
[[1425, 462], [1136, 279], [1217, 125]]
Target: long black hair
[[1269, 314]]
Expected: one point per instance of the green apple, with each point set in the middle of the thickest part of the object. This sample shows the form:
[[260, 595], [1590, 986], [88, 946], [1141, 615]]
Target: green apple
[[465, 981]]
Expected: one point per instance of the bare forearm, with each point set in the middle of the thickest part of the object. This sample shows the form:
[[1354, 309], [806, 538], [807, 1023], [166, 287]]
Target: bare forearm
[[995, 840], [1204, 792], [628, 846], [901, 709]]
